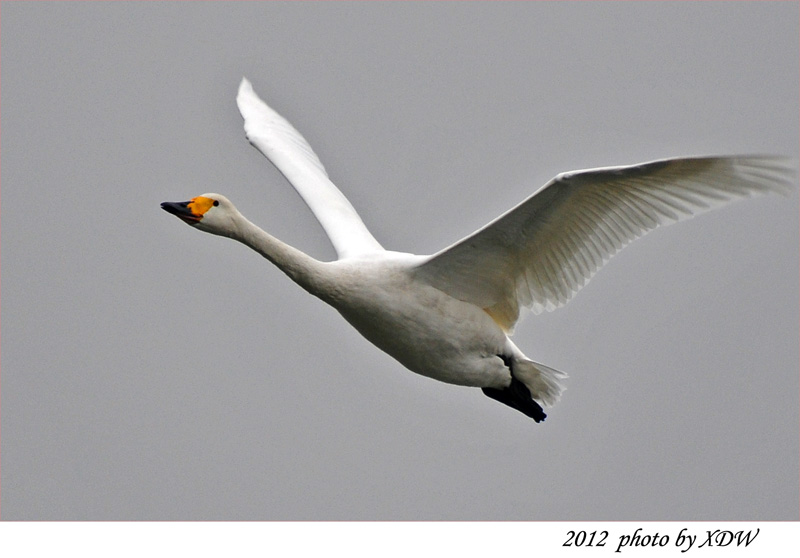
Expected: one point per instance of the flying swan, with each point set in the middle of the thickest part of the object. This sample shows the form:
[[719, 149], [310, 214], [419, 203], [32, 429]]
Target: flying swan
[[450, 316]]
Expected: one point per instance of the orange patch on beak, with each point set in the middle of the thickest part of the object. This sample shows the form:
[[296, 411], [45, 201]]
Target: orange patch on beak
[[199, 205]]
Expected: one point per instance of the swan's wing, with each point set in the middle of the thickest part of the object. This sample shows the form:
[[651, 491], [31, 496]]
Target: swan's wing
[[546, 249], [273, 136]]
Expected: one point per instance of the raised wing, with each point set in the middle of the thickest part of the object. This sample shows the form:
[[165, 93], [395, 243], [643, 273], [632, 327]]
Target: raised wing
[[273, 136], [542, 252]]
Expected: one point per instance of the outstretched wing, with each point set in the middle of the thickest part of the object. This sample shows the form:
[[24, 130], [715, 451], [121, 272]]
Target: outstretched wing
[[273, 136], [542, 252]]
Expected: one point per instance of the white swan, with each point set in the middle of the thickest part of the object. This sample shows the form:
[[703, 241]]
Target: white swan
[[449, 316]]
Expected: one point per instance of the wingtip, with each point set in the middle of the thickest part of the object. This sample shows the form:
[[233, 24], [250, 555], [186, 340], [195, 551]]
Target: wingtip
[[245, 84], [244, 96]]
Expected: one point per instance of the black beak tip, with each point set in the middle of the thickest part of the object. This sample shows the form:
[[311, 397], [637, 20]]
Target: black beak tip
[[170, 207], [182, 211]]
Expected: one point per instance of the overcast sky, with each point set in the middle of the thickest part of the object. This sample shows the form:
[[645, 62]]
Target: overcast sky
[[150, 371]]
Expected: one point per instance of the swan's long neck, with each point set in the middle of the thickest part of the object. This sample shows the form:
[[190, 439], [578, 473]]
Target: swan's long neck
[[306, 271]]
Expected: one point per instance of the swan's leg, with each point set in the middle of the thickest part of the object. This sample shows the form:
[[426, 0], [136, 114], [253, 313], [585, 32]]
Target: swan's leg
[[517, 396]]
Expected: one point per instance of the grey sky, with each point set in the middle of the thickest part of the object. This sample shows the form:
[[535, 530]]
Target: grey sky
[[150, 371]]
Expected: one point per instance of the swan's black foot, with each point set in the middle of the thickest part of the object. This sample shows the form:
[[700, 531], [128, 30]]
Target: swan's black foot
[[517, 396]]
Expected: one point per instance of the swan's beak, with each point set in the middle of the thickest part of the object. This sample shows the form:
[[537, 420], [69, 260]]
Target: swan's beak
[[182, 211], [190, 212]]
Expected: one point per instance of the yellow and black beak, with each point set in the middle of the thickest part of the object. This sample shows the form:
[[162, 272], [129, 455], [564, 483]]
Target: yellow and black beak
[[192, 211], [182, 211]]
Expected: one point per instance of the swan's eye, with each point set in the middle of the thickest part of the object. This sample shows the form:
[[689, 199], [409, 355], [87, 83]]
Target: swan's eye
[[216, 203]]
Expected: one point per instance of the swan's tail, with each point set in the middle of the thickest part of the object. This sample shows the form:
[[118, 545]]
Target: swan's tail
[[545, 384]]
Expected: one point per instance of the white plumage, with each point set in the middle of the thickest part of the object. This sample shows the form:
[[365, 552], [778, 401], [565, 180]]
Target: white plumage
[[449, 316]]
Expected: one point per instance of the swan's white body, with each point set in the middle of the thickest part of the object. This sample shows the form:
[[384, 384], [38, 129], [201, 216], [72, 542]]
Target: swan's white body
[[425, 329], [449, 316]]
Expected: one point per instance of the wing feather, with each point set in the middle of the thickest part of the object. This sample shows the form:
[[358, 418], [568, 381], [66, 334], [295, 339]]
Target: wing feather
[[291, 154], [542, 252]]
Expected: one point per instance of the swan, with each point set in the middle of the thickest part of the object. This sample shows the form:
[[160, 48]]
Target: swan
[[450, 315]]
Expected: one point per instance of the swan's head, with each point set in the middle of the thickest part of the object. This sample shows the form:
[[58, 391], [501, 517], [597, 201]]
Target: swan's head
[[211, 213]]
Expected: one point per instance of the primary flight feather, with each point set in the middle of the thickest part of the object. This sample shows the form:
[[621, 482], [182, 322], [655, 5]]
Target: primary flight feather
[[449, 316]]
